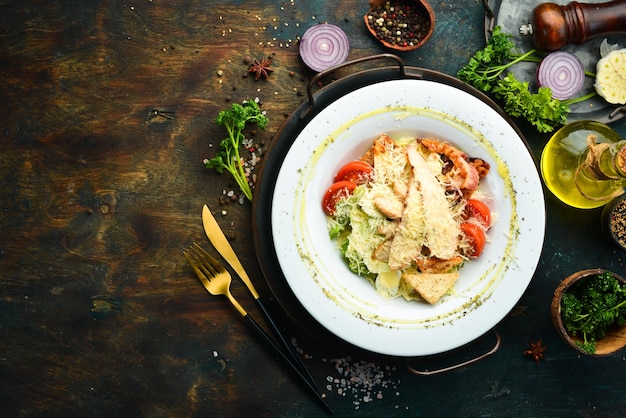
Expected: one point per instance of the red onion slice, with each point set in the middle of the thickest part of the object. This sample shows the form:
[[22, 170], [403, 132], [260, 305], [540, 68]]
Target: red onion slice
[[323, 46], [563, 73]]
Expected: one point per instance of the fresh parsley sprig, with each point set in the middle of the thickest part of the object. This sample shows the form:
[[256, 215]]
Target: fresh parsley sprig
[[486, 71], [591, 306], [540, 109], [228, 158]]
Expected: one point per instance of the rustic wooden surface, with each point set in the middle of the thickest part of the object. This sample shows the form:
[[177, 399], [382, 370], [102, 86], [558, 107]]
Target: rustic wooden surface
[[100, 314]]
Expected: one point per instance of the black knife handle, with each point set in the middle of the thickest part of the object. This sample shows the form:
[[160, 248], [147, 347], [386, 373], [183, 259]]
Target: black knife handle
[[282, 355], [290, 348]]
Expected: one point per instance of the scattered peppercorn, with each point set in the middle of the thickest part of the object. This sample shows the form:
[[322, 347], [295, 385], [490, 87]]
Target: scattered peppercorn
[[400, 22]]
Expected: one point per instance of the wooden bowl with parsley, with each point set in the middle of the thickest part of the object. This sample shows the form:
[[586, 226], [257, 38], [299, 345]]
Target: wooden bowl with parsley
[[589, 311]]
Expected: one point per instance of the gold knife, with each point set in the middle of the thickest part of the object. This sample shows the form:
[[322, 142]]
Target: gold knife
[[221, 244]]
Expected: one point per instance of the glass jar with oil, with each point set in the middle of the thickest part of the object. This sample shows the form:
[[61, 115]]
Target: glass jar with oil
[[584, 164]]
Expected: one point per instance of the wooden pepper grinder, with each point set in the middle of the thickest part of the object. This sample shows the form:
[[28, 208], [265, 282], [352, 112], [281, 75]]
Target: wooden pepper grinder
[[554, 26]]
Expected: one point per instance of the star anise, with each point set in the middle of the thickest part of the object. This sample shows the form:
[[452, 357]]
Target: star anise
[[535, 350], [261, 69]]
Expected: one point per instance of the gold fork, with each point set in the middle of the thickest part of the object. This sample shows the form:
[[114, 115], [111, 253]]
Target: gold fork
[[216, 280], [212, 274]]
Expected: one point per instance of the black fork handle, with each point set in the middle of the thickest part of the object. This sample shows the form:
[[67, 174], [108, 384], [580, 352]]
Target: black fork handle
[[291, 350], [289, 361]]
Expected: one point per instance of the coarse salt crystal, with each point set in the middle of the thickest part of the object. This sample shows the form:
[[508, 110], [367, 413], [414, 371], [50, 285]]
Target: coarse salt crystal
[[364, 381]]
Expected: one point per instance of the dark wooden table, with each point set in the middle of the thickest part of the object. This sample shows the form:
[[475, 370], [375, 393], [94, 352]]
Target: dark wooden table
[[109, 112]]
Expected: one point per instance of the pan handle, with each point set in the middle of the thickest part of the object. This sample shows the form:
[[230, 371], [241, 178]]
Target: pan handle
[[617, 111], [324, 73], [490, 17], [491, 351]]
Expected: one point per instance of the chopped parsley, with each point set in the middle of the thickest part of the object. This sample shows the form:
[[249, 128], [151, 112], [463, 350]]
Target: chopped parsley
[[591, 306]]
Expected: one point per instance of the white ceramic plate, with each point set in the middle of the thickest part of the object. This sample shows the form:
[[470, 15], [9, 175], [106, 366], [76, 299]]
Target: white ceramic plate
[[348, 305]]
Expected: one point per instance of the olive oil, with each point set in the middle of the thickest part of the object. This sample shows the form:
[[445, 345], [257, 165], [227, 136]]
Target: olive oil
[[566, 170]]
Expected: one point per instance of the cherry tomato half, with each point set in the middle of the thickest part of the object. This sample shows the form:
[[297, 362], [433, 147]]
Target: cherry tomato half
[[337, 191], [358, 172], [478, 210], [475, 236]]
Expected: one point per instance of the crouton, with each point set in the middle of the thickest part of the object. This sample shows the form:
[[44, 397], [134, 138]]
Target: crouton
[[431, 287]]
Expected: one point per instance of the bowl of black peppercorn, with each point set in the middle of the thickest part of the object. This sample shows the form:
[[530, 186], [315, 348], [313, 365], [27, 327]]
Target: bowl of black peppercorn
[[613, 221], [402, 25]]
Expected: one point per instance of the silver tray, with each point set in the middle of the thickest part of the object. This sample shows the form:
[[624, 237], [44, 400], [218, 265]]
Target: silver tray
[[510, 15]]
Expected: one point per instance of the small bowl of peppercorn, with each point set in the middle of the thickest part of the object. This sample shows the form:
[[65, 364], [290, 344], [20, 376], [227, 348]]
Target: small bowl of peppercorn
[[613, 221], [589, 311], [403, 25]]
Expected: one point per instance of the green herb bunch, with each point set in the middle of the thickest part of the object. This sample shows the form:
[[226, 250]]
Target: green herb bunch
[[591, 306], [228, 158], [486, 71]]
